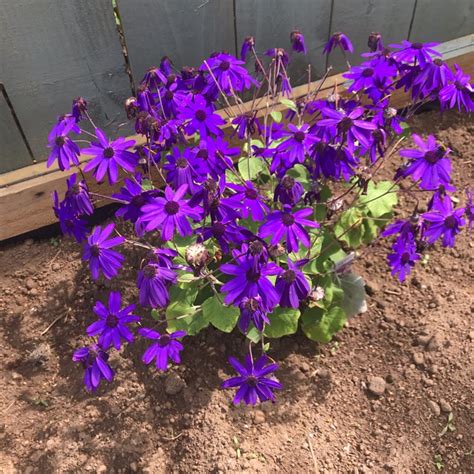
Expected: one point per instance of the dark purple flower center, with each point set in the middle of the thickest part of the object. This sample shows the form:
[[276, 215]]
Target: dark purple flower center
[[203, 154], [253, 275], [111, 321], [95, 250], [169, 95], [417, 45], [200, 115], [458, 85], [224, 65], [438, 62], [289, 276], [256, 247], [164, 340], [182, 163], [149, 271], [138, 200], [109, 152], [288, 182], [288, 219], [252, 381], [74, 190], [405, 258], [251, 193], [172, 207], [450, 222], [367, 72], [60, 141], [433, 156], [218, 229], [345, 124], [299, 137], [251, 305]]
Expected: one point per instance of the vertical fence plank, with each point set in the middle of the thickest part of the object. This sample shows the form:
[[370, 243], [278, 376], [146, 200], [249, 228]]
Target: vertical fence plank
[[54, 50], [441, 20], [13, 151], [187, 31], [358, 18], [271, 22]]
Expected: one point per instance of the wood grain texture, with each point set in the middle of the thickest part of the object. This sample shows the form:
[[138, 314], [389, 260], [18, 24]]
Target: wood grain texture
[[13, 151], [442, 20], [358, 18], [187, 31], [54, 50], [271, 22]]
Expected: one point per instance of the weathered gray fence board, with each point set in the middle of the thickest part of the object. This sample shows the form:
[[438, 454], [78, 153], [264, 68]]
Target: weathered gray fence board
[[442, 20], [54, 50], [187, 31], [271, 22], [358, 18], [13, 151]]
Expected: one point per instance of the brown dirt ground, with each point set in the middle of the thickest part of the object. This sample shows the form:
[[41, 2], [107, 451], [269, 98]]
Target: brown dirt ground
[[417, 336]]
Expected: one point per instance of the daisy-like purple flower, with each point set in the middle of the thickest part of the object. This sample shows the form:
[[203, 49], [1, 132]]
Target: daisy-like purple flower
[[77, 196], [252, 310], [214, 156], [288, 191], [409, 52], [62, 147], [166, 347], [297, 42], [458, 92], [406, 228], [153, 282], [369, 75], [184, 168], [255, 380], [290, 226], [247, 125], [295, 147], [292, 285], [199, 117], [443, 221], [430, 163], [250, 279], [433, 77], [112, 324], [94, 361], [348, 124], [97, 250], [69, 222], [341, 40], [403, 258], [249, 201], [226, 234], [247, 45], [170, 213], [109, 156]]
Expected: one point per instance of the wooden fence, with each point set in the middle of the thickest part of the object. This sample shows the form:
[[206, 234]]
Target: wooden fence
[[54, 50]]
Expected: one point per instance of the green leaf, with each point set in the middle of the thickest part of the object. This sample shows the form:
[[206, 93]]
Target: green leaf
[[276, 116], [147, 185], [380, 198], [289, 104], [283, 321], [219, 315], [250, 168], [300, 173], [353, 287], [349, 227], [320, 325], [180, 318], [254, 335]]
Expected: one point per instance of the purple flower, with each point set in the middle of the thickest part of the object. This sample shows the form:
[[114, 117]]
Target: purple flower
[[94, 361], [255, 381], [288, 225], [429, 163], [280, 56], [374, 42], [433, 77], [403, 257], [250, 279], [154, 78], [200, 118], [170, 213], [112, 324], [166, 347], [443, 221], [458, 92], [62, 147], [109, 156], [297, 42], [214, 156], [252, 310], [226, 234], [288, 191], [341, 40], [249, 201], [409, 52], [69, 222], [153, 282], [292, 285], [369, 75], [295, 147], [247, 45], [134, 198], [183, 168], [77, 196], [98, 251], [79, 108], [247, 125], [407, 229]]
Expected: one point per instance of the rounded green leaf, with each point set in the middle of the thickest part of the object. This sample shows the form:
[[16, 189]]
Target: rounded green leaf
[[219, 315], [320, 325], [283, 321]]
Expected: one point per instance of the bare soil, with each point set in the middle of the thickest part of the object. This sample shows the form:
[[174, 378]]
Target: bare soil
[[417, 337]]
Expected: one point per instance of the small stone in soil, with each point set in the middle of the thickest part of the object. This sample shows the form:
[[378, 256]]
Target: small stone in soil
[[418, 358], [371, 287], [445, 406], [376, 385], [258, 417], [434, 407], [30, 283], [174, 384]]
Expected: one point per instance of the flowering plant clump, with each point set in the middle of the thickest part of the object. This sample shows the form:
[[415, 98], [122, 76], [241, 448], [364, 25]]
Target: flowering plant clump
[[246, 215]]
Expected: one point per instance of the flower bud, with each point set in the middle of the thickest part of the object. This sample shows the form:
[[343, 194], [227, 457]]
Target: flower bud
[[317, 294], [276, 251], [196, 255], [131, 107]]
